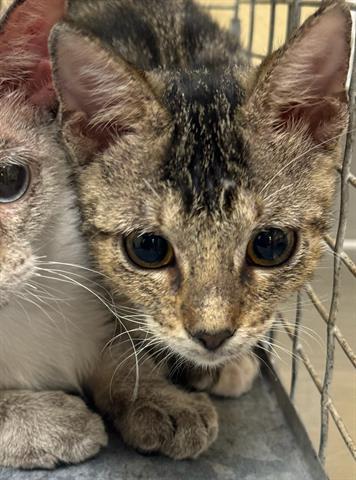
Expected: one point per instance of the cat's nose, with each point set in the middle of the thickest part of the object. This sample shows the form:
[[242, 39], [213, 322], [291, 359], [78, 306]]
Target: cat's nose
[[213, 341]]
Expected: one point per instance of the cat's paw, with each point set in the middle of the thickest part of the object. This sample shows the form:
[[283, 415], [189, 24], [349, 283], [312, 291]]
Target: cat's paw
[[42, 430], [176, 424], [236, 378]]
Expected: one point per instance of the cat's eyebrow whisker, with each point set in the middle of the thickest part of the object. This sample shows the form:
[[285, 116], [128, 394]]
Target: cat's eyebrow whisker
[[156, 194], [285, 187], [301, 156]]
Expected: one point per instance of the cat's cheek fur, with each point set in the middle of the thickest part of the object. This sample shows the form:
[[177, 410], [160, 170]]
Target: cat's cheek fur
[[18, 266], [56, 346]]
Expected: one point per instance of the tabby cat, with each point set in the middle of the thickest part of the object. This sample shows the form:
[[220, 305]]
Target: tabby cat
[[205, 188]]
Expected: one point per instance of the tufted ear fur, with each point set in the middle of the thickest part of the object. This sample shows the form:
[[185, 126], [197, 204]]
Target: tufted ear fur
[[102, 97], [302, 85], [24, 56]]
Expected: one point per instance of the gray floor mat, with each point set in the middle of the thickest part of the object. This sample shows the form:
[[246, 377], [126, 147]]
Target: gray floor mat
[[255, 443]]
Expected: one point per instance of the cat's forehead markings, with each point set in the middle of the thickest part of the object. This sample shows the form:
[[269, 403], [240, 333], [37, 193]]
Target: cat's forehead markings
[[207, 150]]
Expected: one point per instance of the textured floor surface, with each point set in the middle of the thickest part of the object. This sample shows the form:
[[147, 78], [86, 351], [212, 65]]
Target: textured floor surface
[[254, 444]]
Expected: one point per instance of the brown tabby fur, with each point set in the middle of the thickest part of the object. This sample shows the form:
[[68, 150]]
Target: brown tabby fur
[[185, 141]]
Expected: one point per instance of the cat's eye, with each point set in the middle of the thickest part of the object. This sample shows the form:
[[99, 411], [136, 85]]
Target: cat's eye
[[271, 247], [149, 251], [14, 182]]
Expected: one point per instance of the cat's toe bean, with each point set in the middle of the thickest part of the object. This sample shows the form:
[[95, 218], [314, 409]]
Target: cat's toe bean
[[237, 378]]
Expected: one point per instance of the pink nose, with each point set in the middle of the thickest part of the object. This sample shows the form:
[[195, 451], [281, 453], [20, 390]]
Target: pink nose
[[213, 341]]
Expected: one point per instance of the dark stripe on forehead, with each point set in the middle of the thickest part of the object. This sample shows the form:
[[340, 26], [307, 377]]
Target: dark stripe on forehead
[[206, 153]]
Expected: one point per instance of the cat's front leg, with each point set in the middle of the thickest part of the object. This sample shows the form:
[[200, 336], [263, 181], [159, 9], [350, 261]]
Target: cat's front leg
[[43, 429], [160, 417], [232, 380]]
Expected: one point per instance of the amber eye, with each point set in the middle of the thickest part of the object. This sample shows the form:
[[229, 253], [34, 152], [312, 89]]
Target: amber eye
[[14, 182], [149, 251], [271, 247]]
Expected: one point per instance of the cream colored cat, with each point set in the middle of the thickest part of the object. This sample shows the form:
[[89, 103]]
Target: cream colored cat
[[52, 329]]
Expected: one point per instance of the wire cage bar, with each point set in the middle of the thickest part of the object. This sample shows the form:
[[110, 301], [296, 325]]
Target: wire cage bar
[[341, 258]]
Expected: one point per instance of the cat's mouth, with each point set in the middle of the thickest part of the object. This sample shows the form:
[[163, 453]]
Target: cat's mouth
[[212, 356], [202, 348], [203, 357]]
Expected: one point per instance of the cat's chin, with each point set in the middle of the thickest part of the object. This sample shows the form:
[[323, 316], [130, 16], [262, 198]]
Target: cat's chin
[[205, 359], [210, 361]]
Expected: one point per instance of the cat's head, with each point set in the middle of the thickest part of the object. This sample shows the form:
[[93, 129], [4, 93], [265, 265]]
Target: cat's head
[[206, 194], [30, 158]]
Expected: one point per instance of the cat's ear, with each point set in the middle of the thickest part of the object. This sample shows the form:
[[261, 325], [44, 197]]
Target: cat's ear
[[24, 56], [302, 85], [102, 97]]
